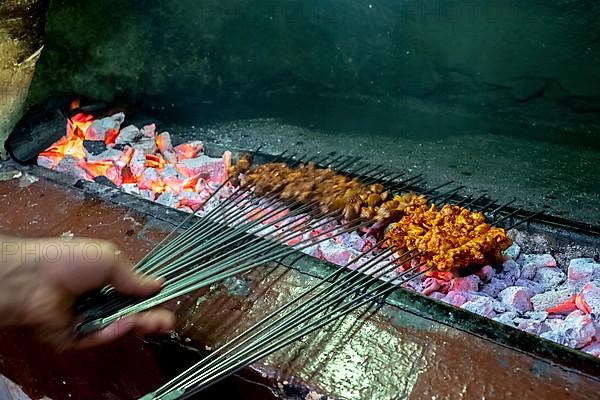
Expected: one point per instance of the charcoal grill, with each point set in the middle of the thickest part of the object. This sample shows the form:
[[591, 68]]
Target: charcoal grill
[[560, 231]]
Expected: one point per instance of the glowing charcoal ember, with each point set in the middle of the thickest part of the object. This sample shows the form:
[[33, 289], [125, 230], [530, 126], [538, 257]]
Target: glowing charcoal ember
[[276, 217], [227, 161], [588, 300], [67, 146], [137, 163], [150, 180], [191, 200], [466, 284], [564, 307], [155, 161], [171, 178], [455, 298], [576, 330], [163, 142], [129, 134], [553, 298], [105, 129], [189, 150], [202, 186], [203, 166], [168, 199], [147, 145], [353, 240], [436, 296], [517, 297], [149, 130], [78, 124], [108, 169], [334, 253]]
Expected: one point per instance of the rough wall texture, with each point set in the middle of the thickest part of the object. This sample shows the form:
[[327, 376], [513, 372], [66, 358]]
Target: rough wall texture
[[21, 30], [521, 60]]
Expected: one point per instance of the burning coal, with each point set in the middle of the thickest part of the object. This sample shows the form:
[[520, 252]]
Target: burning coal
[[140, 161]]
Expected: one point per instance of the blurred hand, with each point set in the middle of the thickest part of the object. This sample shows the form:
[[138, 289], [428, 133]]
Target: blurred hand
[[40, 279]]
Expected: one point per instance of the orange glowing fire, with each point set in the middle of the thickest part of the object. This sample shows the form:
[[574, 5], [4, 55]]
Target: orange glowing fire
[[122, 165]]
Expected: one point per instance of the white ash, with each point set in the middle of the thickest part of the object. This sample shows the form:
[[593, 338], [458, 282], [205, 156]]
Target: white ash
[[167, 199], [466, 284], [107, 155], [511, 271], [583, 270], [149, 130], [538, 260], [552, 298], [100, 127], [590, 298], [70, 165], [535, 287], [129, 134], [549, 277], [455, 298], [577, 330], [512, 252], [537, 315], [517, 297], [593, 349], [480, 305], [495, 286], [507, 318], [532, 326]]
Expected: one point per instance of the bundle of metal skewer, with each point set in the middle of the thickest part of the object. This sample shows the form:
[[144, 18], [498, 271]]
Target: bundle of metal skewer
[[243, 231], [338, 294]]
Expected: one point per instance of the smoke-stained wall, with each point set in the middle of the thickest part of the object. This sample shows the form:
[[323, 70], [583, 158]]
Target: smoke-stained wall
[[532, 60]]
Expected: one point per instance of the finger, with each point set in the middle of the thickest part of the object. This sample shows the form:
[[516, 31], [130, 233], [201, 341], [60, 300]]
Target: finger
[[128, 282], [155, 321], [122, 275], [88, 264]]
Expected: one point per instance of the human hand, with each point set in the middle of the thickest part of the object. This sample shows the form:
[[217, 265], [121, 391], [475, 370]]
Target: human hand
[[40, 280]]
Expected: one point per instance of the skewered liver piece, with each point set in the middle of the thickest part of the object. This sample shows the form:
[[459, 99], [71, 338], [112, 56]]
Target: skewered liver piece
[[241, 167], [330, 190], [450, 238]]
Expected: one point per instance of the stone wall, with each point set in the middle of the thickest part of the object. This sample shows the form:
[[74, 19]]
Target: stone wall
[[21, 30], [534, 60]]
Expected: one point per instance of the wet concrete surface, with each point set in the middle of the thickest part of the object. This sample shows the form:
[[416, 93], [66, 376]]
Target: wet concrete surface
[[390, 354]]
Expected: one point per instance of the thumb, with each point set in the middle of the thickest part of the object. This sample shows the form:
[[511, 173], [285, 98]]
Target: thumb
[[153, 321]]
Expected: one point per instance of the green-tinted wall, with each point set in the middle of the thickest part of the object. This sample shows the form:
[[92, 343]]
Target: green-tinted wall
[[535, 60]]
